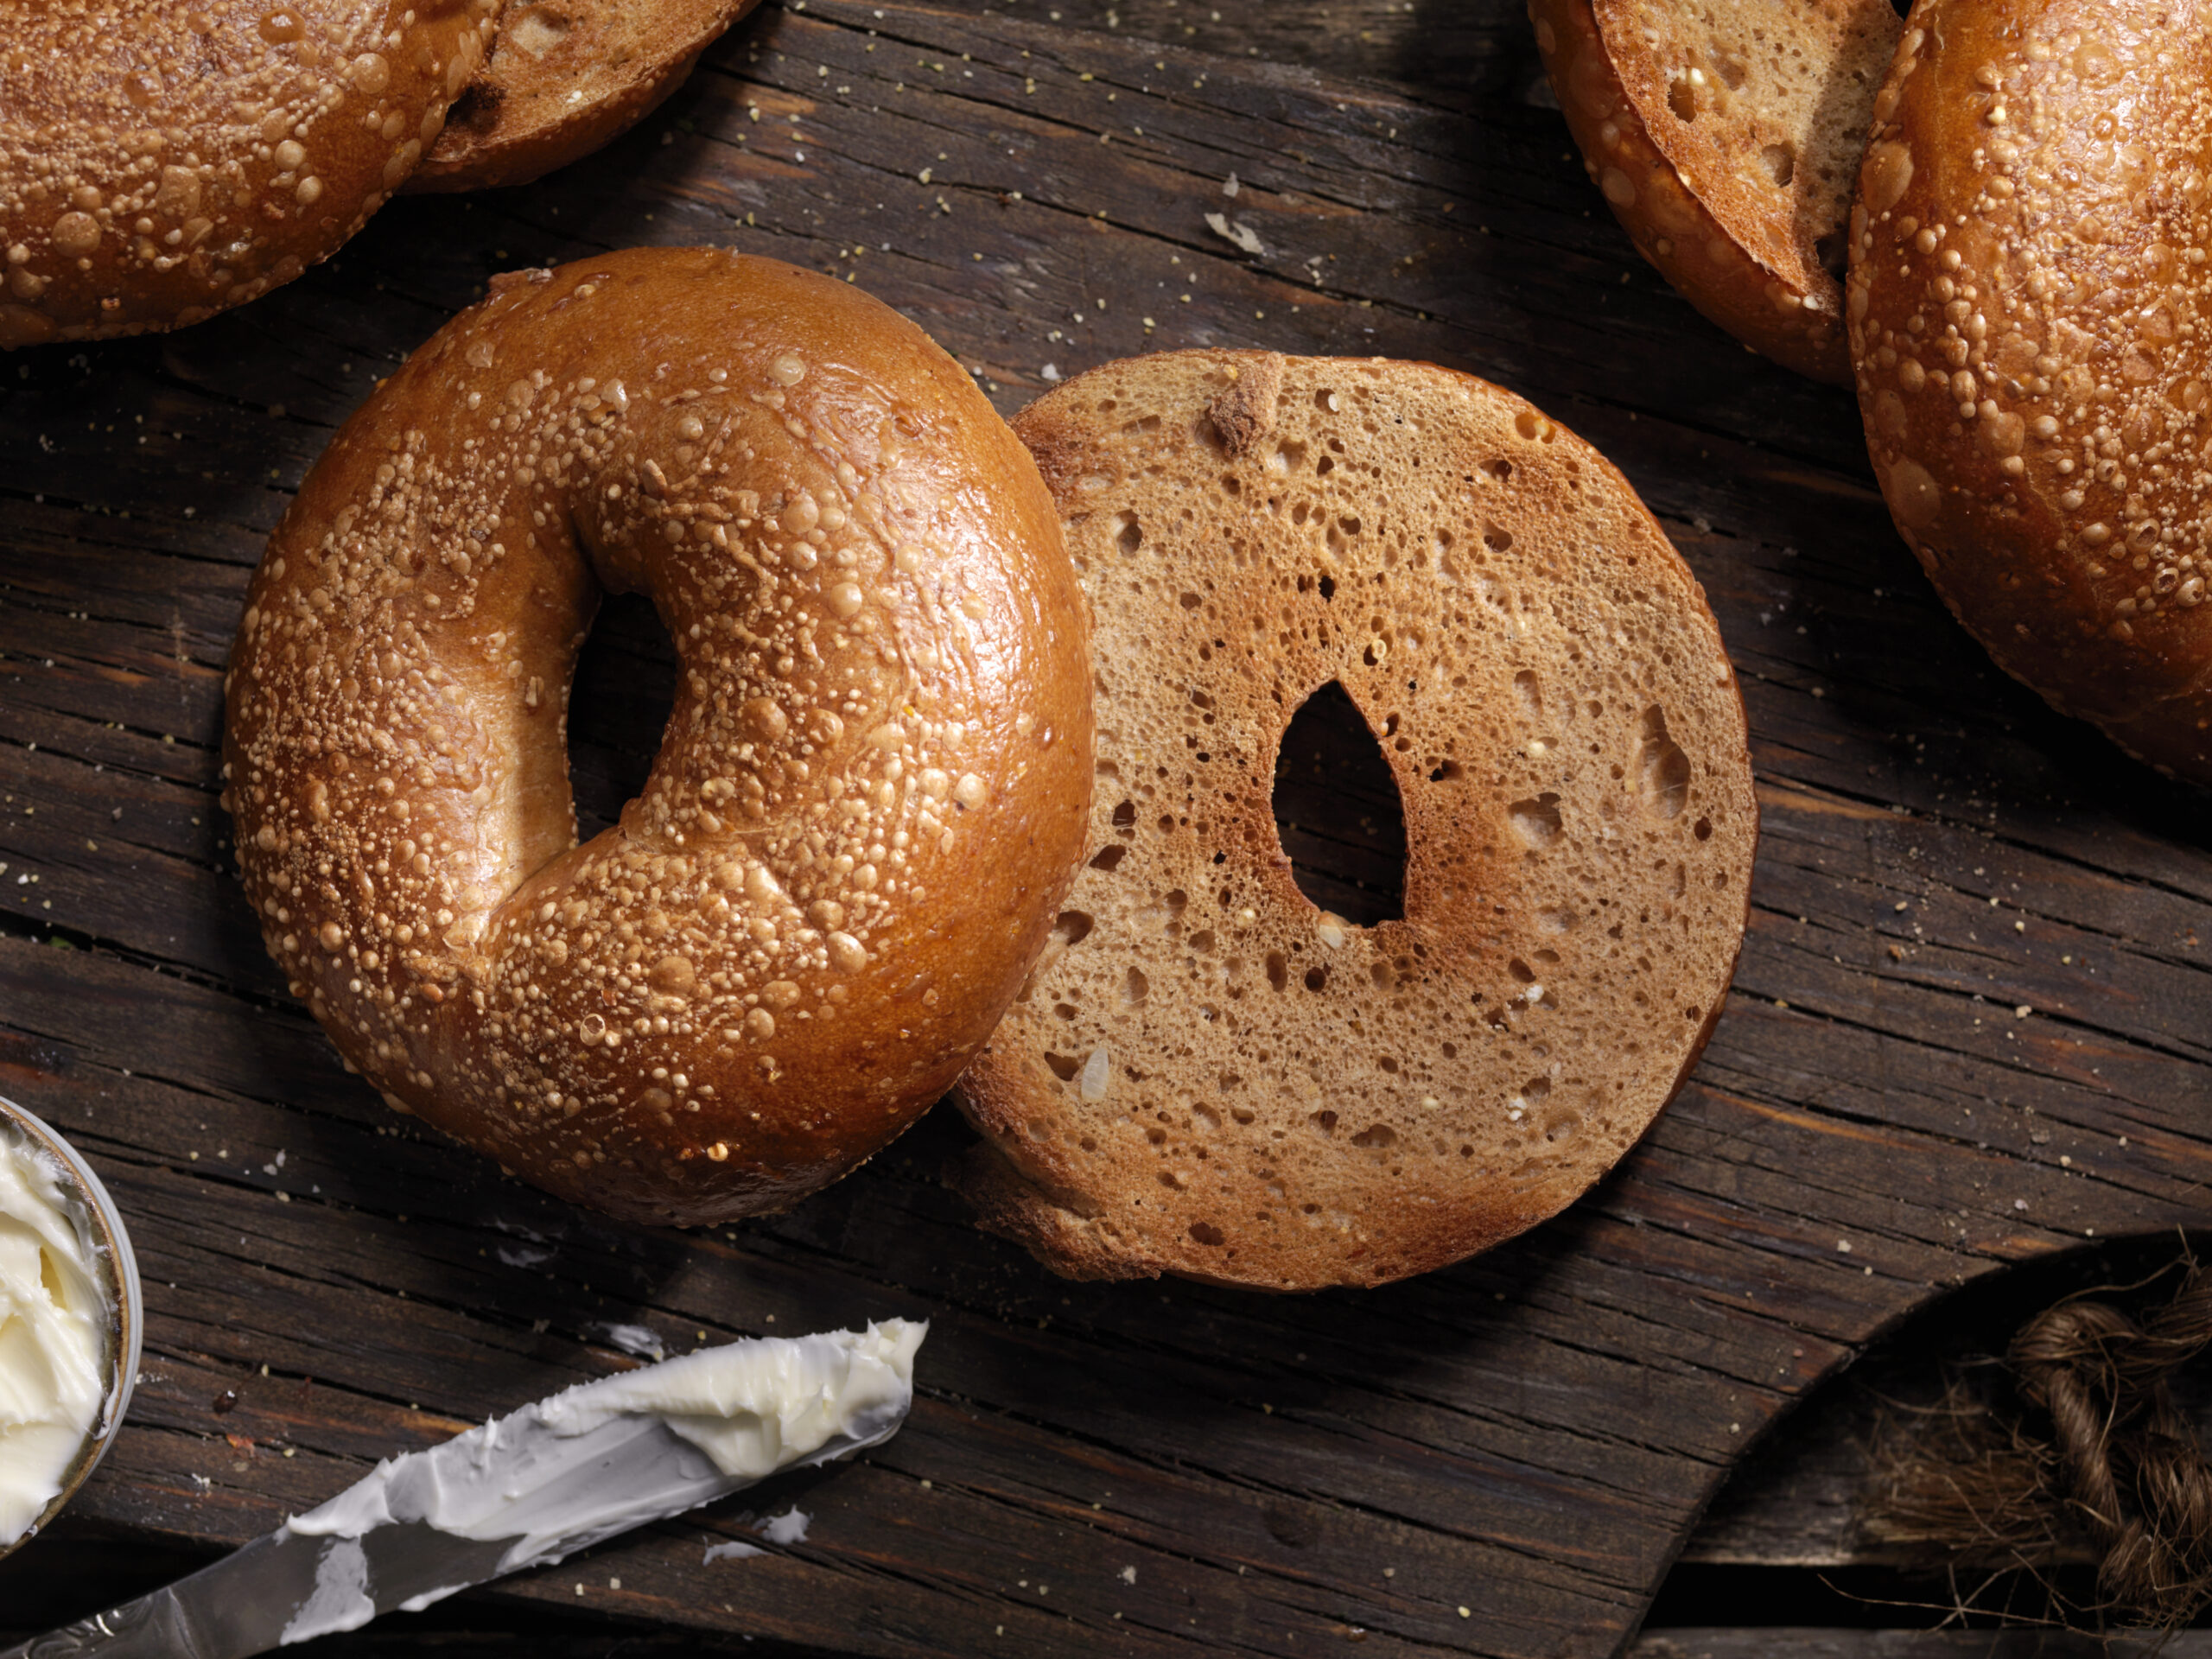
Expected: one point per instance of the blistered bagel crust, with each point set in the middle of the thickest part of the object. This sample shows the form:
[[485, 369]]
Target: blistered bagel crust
[[2028, 303], [870, 793], [163, 160]]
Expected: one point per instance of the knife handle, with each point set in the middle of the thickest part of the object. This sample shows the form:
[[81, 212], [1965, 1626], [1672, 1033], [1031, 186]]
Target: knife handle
[[148, 1628]]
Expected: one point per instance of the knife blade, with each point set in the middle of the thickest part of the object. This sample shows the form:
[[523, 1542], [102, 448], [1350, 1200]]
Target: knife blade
[[527, 1490]]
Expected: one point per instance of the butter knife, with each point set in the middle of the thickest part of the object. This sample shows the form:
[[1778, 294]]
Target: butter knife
[[527, 1490]]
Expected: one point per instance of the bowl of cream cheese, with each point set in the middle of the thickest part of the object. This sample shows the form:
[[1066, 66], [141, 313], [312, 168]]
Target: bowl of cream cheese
[[72, 1318]]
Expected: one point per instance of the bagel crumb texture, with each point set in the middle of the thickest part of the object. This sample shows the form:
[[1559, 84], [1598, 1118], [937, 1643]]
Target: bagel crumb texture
[[870, 792], [1206, 1074], [163, 160], [2029, 292]]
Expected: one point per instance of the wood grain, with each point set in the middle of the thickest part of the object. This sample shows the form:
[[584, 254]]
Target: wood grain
[[1132, 1470], [1787, 1643]]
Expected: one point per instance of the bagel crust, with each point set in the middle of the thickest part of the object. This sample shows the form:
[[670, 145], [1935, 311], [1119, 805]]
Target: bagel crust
[[1207, 1075], [1725, 137], [565, 77], [2029, 315], [162, 162], [872, 784]]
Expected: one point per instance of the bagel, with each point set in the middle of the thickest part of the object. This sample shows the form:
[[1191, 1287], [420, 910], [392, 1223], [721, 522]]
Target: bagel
[[870, 796], [1725, 137], [160, 161], [2027, 307], [1207, 1075], [564, 77]]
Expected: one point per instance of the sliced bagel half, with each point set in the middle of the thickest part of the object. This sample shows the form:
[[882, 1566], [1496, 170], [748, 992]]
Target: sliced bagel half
[[1725, 137], [1211, 1076], [563, 78]]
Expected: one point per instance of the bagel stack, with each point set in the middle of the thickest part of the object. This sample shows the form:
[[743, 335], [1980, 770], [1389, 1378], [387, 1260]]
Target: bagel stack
[[564, 77], [1725, 137], [2028, 316], [1208, 1075], [872, 784], [161, 163]]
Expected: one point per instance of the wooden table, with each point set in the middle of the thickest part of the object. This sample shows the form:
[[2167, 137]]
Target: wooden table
[[1969, 1028]]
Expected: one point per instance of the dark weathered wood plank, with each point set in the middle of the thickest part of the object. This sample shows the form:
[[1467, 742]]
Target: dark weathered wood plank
[[1770, 1643], [1527, 1437]]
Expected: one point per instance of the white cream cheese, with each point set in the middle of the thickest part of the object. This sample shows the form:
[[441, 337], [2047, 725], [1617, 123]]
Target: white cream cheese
[[53, 1326], [597, 1459]]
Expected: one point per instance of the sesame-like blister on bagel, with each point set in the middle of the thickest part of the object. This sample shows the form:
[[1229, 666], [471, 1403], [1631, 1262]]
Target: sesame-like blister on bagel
[[163, 160], [2029, 305], [870, 793]]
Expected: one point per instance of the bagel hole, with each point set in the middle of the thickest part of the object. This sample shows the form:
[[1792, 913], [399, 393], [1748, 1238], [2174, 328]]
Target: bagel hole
[[625, 688], [1337, 813]]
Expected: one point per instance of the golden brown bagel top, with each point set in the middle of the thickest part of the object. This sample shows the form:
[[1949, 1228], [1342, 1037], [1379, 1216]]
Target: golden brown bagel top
[[161, 160], [2028, 307], [872, 790]]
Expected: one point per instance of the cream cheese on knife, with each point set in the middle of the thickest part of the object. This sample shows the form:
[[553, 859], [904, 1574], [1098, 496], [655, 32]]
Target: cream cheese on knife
[[53, 1325], [568, 1472]]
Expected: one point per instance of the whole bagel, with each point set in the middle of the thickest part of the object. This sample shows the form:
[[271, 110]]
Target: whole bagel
[[872, 790], [160, 161], [2028, 316]]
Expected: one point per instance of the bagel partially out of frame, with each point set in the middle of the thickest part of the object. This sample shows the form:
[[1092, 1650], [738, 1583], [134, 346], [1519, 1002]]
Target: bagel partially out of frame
[[162, 162], [1207, 1075], [1725, 137], [2029, 310], [565, 77]]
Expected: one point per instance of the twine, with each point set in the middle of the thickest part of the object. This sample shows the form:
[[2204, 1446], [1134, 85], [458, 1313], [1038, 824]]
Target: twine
[[2135, 1477], [2100, 1464]]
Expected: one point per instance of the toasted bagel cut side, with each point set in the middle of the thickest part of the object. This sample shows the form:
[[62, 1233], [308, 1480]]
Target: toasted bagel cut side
[[2028, 310], [565, 77], [1208, 1075], [1725, 137]]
